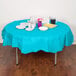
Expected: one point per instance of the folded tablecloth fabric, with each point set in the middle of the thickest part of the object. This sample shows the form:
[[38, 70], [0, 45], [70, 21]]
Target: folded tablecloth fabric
[[53, 40]]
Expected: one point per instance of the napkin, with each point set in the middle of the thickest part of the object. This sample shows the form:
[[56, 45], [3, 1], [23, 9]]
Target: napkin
[[50, 25], [21, 26]]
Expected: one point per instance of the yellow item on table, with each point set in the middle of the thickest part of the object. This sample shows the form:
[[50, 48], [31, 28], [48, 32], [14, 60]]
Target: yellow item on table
[[50, 25]]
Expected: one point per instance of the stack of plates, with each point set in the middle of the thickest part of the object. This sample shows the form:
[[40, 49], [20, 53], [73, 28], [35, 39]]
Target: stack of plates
[[43, 28]]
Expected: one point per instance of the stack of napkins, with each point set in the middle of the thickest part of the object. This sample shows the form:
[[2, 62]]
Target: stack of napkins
[[21, 26], [50, 25], [26, 26]]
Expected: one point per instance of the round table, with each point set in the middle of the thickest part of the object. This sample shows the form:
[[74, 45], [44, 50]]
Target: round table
[[52, 40]]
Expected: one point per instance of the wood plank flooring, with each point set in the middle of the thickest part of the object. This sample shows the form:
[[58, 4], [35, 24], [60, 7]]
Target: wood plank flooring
[[38, 64]]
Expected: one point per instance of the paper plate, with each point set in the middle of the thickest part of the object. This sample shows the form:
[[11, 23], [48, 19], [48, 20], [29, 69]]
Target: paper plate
[[43, 28]]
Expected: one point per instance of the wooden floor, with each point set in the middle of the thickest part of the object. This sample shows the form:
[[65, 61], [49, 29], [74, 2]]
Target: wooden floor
[[38, 64]]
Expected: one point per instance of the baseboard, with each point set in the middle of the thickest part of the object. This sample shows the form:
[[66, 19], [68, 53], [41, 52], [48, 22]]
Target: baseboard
[[1, 41], [74, 42]]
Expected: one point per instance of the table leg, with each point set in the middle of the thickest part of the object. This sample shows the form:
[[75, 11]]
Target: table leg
[[16, 56], [55, 58]]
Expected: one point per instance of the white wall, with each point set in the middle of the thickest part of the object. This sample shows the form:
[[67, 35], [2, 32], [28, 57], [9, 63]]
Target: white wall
[[19, 9]]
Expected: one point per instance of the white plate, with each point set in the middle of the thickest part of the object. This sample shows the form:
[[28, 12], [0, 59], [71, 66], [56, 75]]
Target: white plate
[[43, 28]]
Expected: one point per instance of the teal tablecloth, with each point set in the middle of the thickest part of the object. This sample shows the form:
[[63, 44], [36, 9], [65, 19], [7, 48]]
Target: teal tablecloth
[[52, 40]]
